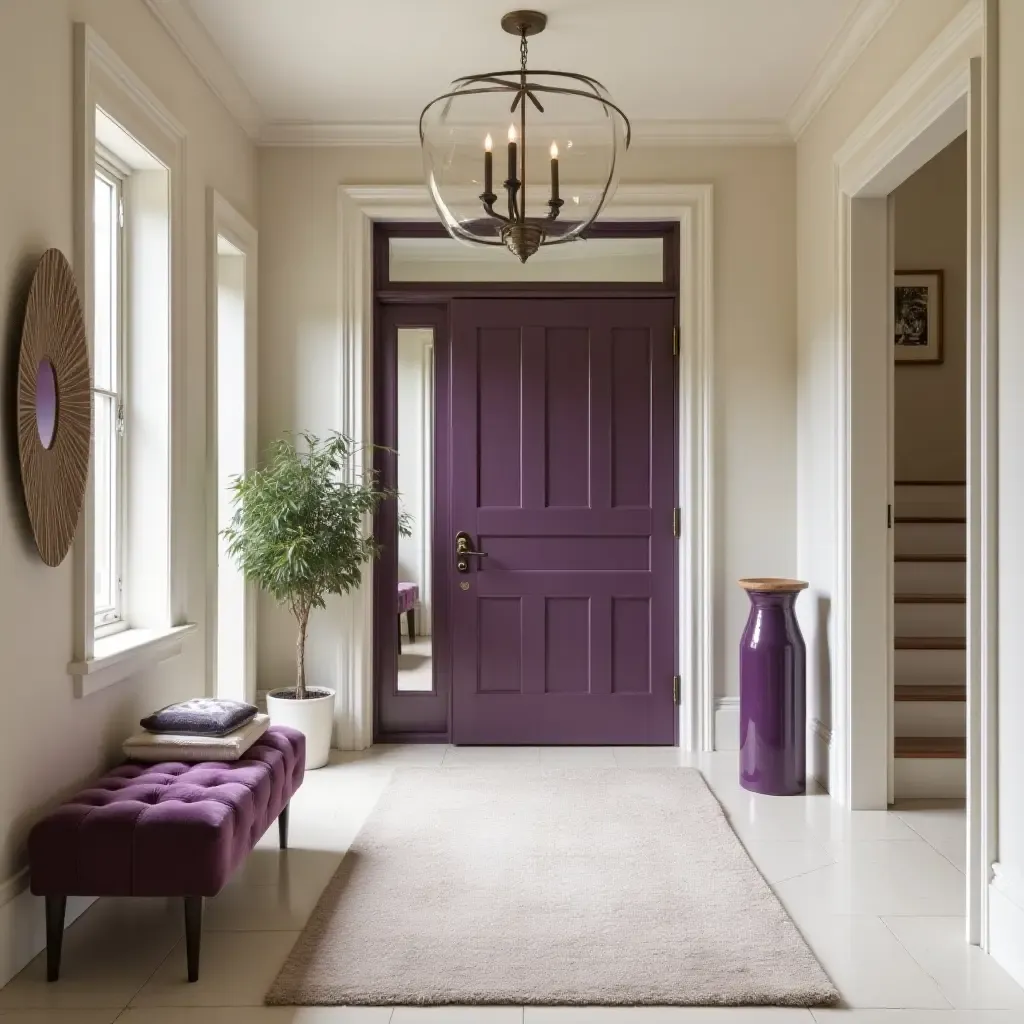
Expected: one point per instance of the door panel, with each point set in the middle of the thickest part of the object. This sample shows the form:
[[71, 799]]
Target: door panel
[[562, 472]]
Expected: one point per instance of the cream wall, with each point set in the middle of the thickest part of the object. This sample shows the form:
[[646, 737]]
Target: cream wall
[[930, 406], [907, 33], [52, 741], [754, 351], [1007, 893]]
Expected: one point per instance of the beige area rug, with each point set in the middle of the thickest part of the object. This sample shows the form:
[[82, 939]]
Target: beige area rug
[[576, 886]]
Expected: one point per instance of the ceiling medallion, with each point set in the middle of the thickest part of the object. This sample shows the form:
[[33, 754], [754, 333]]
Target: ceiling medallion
[[567, 153]]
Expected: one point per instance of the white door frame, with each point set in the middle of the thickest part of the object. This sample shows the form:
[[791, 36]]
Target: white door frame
[[359, 206], [940, 96], [222, 219]]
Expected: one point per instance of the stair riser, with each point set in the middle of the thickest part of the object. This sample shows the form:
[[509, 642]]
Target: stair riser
[[930, 667], [931, 578], [930, 539], [930, 777], [930, 619], [931, 718], [930, 501]]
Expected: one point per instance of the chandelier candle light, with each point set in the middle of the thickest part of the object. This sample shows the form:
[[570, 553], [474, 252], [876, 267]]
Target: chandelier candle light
[[566, 106]]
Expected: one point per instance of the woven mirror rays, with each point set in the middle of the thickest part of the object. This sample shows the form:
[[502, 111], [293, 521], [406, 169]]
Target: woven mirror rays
[[55, 406]]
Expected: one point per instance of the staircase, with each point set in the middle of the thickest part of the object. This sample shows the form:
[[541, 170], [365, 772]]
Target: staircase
[[930, 625]]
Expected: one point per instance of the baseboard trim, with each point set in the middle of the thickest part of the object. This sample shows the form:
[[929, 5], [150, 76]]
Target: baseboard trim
[[1010, 883], [14, 886], [23, 923], [821, 750], [727, 723], [1006, 920]]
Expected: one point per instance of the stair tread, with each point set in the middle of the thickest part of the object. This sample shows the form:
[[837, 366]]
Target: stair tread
[[931, 692], [931, 599], [930, 483], [931, 519], [930, 558], [931, 643], [931, 746]]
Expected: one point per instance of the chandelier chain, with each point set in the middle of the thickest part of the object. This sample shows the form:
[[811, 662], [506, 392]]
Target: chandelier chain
[[522, 50]]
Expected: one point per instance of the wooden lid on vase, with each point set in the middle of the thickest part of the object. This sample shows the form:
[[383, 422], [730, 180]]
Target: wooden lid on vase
[[773, 585]]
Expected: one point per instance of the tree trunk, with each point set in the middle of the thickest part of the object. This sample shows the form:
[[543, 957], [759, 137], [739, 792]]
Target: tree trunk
[[300, 652]]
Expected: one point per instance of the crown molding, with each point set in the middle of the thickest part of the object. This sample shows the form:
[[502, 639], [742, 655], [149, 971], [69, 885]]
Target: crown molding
[[711, 133], [858, 30], [330, 133], [181, 24], [645, 133]]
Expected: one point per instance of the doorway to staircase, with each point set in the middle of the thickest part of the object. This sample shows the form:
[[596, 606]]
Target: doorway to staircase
[[928, 220], [923, 115]]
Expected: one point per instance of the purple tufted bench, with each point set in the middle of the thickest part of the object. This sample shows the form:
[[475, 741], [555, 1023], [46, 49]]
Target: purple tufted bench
[[169, 829]]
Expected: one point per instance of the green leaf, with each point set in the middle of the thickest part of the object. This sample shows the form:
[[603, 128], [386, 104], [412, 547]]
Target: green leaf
[[300, 526]]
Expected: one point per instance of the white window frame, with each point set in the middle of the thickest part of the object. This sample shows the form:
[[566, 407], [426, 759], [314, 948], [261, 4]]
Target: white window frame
[[154, 564], [116, 174]]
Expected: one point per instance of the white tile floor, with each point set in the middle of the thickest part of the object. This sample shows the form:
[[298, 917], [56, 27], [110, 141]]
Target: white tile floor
[[879, 896]]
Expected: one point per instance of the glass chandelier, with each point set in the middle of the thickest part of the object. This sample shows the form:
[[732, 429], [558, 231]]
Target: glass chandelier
[[566, 139]]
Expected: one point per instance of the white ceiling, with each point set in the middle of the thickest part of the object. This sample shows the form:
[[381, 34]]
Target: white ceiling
[[349, 62]]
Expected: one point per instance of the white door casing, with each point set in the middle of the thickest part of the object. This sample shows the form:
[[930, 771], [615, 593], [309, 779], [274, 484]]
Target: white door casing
[[359, 206]]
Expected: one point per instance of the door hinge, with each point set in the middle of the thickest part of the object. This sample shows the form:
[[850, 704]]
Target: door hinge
[[677, 521], [888, 516], [677, 685], [675, 340]]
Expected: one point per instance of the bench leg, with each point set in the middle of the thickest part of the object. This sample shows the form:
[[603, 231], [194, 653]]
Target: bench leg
[[410, 616], [282, 827], [55, 907], [193, 934]]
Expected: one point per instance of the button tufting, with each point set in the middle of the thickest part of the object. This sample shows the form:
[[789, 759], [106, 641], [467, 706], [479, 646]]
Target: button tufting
[[218, 809]]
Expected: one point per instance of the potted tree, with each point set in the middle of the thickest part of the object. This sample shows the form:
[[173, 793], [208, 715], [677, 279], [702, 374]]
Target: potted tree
[[299, 532]]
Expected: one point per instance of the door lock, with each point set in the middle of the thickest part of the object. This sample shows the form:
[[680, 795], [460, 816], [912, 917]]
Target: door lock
[[464, 550]]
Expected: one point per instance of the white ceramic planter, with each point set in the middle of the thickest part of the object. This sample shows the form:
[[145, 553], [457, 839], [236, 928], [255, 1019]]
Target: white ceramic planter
[[313, 717]]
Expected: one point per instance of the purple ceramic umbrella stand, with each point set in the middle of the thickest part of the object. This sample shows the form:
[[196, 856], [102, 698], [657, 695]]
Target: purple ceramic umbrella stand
[[773, 736]]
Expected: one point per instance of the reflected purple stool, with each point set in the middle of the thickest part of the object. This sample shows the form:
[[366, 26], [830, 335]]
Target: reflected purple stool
[[773, 731], [408, 598]]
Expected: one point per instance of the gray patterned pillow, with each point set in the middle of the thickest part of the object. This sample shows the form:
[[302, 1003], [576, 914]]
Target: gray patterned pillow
[[201, 716]]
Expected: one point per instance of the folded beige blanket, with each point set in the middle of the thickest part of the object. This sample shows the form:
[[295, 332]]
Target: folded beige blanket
[[165, 746]]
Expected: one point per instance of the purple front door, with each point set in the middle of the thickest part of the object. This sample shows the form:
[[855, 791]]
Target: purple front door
[[563, 447]]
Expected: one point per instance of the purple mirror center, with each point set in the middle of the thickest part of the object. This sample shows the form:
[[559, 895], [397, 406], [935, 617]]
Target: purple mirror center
[[46, 402]]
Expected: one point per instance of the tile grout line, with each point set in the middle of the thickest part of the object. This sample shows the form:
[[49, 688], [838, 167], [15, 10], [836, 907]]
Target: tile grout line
[[779, 881], [156, 970], [927, 973], [926, 840], [803, 874]]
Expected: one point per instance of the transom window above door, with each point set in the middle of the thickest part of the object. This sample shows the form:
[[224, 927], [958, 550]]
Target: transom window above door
[[638, 257]]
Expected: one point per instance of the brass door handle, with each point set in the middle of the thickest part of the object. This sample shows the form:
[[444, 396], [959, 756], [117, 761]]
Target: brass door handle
[[463, 551]]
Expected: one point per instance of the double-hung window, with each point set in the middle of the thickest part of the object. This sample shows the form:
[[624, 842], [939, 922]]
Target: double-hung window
[[109, 349], [128, 569]]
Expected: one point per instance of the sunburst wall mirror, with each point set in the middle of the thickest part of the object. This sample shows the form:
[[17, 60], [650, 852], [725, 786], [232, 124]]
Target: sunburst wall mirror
[[54, 407]]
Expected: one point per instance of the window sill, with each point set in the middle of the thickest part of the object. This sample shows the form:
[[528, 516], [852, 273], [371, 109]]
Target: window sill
[[123, 654]]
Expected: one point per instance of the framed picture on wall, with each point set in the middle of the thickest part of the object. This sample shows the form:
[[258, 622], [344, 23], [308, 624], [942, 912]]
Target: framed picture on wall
[[918, 319]]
